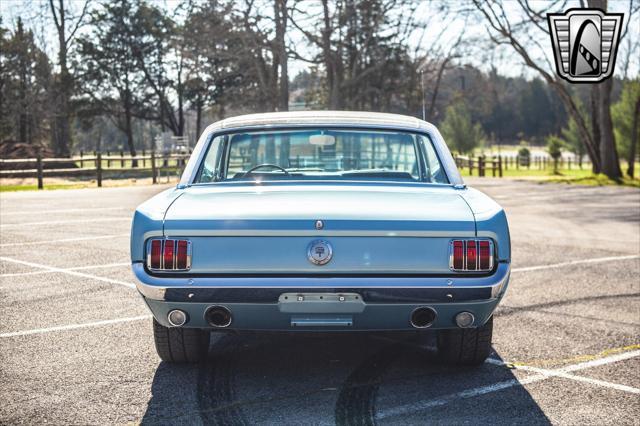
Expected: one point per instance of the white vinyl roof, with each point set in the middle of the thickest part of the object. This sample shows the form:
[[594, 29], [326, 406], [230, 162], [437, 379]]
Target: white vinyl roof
[[322, 118]]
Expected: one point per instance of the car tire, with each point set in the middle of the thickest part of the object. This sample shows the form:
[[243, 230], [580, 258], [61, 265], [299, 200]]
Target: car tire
[[181, 345], [465, 346]]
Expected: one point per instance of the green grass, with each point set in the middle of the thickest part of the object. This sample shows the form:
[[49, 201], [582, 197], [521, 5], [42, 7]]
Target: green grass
[[532, 172], [578, 176], [594, 180], [13, 188]]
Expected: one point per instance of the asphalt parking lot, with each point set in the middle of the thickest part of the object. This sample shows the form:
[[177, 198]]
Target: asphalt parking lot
[[76, 345]]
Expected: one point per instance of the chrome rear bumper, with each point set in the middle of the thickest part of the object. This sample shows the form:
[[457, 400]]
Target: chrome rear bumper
[[246, 289]]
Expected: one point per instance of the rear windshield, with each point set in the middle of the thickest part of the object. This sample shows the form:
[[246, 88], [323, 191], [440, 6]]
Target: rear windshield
[[321, 154]]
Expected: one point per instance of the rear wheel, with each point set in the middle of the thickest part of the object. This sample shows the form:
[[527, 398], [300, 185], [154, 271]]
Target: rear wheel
[[465, 346], [180, 345]]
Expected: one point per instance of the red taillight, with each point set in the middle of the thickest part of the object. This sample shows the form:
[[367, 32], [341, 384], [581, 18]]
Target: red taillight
[[484, 255], [458, 254], [165, 254], [181, 255], [168, 254], [471, 255], [156, 250]]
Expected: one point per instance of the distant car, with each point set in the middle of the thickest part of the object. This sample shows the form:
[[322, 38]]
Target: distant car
[[323, 221]]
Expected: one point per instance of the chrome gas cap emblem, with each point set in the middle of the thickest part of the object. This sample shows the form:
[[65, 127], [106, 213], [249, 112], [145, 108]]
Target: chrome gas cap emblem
[[319, 252]]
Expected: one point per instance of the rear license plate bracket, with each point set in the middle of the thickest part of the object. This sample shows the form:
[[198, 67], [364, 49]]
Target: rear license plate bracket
[[321, 303]]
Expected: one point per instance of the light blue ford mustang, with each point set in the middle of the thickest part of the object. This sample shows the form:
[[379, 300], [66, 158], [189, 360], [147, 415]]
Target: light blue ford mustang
[[324, 221]]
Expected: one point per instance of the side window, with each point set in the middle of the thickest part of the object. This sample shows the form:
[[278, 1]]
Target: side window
[[210, 164], [435, 173]]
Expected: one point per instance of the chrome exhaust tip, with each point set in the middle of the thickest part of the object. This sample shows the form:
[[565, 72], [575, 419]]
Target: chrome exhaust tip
[[218, 316], [177, 318], [423, 317]]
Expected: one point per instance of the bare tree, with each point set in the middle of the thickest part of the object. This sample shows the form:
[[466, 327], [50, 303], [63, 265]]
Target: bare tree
[[264, 51], [362, 46], [67, 25], [432, 68], [25, 75], [281, 18], [503, 30], [110, 77]]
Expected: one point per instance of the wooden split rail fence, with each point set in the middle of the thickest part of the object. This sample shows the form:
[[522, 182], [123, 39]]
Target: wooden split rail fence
[[481, 165], [155, 164], [96, 165], [497, 164]]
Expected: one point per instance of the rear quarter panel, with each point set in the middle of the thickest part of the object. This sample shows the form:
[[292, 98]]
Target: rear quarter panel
[[491, 221], [148, 221]]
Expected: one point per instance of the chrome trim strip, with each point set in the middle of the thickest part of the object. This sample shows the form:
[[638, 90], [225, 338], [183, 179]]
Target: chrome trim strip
[[148, 250], [189, 252], [451, 255], [491, 251], [162, 255], [465, 261], [308, 233]]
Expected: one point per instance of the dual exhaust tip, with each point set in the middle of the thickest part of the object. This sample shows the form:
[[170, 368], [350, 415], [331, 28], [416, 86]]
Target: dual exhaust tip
[[425, 316], [216, 316]]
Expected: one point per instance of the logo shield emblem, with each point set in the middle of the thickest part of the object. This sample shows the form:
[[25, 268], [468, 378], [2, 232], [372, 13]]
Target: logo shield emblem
[[319, 252], [585, 43]]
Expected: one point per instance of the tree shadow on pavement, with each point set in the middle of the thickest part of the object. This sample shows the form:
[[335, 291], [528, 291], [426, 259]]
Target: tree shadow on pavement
[[350, 378]]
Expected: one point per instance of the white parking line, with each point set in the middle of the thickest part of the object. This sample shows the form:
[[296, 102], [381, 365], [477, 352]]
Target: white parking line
[[589, 380], [599, 362], [73, 326], [576, 262], [60, 222], [64, 240], [68, 272], [495, 387], [77, 268], [44, 212]]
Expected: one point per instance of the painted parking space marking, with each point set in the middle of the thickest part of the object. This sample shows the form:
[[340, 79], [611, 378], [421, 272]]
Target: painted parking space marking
[[62, 222], [589, 380], [54, 211], [544, 363], [68, 272], [76, 268], [74, 326], [65, 240], [406, 409], [576, 262]]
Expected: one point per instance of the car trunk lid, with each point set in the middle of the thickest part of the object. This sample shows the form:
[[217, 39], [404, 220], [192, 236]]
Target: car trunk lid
[[269, 228]]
